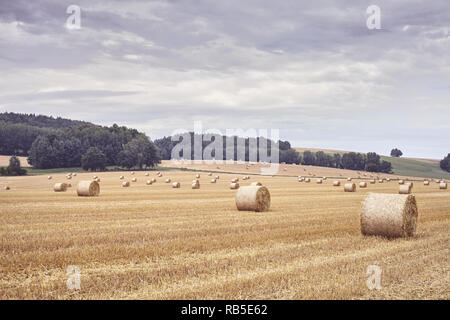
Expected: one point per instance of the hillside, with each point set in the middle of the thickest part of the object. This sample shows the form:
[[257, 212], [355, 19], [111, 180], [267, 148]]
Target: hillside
[[415, 167]]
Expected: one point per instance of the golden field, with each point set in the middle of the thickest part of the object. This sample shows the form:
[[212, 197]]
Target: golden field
[[156, 242]]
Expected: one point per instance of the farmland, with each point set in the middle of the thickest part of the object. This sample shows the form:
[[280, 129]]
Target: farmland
[[156, 242]]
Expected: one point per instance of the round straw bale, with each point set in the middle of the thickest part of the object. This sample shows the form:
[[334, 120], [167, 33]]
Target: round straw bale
[[134, 180], [405, 189], [426, 183], [411, 183], [49, 177], [401, 181], [213, 180], [132, 172], [147, 174], [216, 177], [175, 185], [97, 179], [443, 186], [307, 180], [388, 179], [88, 188], [349, 187], [389, 215], [349, 179], [6, 187], [363, 184], [336, 183], [372, 181], [68, 177], [319, 181], [234, 180], [234, 185], [121, 177], [125, 184], [301, 179], [195, 184], [60, 187], [197, 176], [324, 178], [153, 180], [148, 182], [74, 174], [168, 180], [210, 174], [253, 198], [94, 177], [256, 183]]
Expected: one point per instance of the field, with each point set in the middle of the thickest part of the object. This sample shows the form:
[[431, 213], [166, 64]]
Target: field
[[4, 161], [156, 242]]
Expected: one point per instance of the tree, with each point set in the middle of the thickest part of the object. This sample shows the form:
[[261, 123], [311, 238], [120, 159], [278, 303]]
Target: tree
[[445, 163], [337, 158], [386, 166], [139, 152], [373, 162], [93, 159], [396, 153], [41, 153], [308, 158], [13, 169], [290, 156]]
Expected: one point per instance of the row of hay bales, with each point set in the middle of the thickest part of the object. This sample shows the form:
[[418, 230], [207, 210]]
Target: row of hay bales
[[84, 189]]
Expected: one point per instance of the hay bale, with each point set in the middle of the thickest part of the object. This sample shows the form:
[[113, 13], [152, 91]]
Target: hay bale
[[195, 184], [426, 183], [168, 180], [88, 189], [60, 187], [74, 174], [197, 176], [153, 180], [443, 186], [216, 177], [234, 180], [401, 181], [324, 178], [94, 177], [176, 185], [389, 215], [147, 174], [301, 179], [388, 179], [372, 181], [319, 181], [363, 184], [213, 180], [380, 181], [148, 182], [121, 177], [349, 187], [336, 183], [349, 179], [234, 185], [253, 198], [49, 177], [256, 183], [125, 184], [405, 189], [134, 180], [410, 183], [6, 188], [132, 172], [97, 179], [68, 177], [210, 174], [307, 180]]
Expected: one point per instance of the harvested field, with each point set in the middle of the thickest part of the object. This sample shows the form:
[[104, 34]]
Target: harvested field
[[160, 242]]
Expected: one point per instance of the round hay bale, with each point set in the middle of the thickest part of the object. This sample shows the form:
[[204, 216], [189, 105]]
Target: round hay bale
[[134, 180], [380, 181], [301, 179], [175, 185], [426, 183], [147, 174], [97, 179], [307, 180], [389, 215], [68, 177], [443, 186], [197, 176], [349, 179], [153, 180], [411, 183], [319, 181], [216, 177], [388, 179], [256, 183], [401, 181], [94, 177], [336, 183], [88, 189], [253, 198], [121, 177], [363, 184], [210, 174], [405, 189], [132, 172], [74, 174], [372, 181], [168, 180], [349, 187], [6, 188], [125, 184], [195, 184], [60, 187], [324, 178], [213, 180], [49, 177], [148, 182], [234, 185]]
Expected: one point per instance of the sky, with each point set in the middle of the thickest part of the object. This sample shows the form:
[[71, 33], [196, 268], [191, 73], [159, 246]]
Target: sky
[[312, 69]]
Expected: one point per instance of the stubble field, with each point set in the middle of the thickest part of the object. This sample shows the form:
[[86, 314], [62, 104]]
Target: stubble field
[[156, 242]]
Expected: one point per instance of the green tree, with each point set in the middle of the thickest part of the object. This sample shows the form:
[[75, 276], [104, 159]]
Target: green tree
[[93, 159], [308, 158], [445, 163], [386, 166], [396, 153], [290, 156], [139, 152]]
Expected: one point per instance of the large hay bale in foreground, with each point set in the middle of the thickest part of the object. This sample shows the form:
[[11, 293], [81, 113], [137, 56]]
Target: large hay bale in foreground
[[405, 189], [336, 183], [349, 187], [253, 198], [125, 184], [60, 187], [256, 183], [443, 186], [88, 189], [363, 184], [234, 185], [389, 215]]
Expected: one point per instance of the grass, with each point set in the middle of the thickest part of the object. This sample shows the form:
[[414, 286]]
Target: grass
[[416, 168], [156, 242]]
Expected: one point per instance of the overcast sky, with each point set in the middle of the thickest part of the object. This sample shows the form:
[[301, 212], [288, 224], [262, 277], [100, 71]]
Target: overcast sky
[[309, 68]]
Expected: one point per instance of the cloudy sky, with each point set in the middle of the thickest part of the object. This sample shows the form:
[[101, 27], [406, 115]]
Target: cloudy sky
[[309, 68]]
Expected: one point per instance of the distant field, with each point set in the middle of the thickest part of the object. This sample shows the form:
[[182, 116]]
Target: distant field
[[156, 242], [4, 161]]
